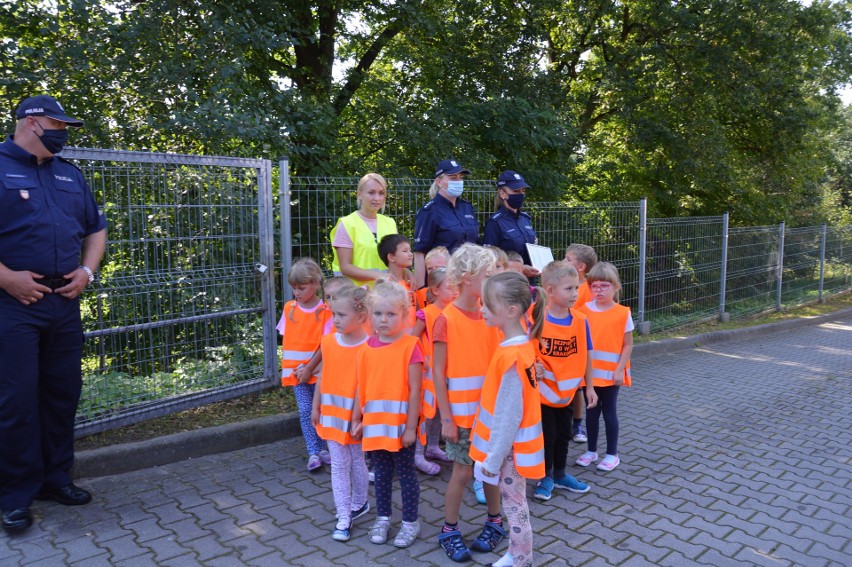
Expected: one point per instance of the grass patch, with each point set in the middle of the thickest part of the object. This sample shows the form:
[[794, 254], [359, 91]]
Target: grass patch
[[276, 401]]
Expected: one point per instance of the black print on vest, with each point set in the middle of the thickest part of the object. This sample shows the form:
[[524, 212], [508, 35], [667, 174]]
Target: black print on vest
[[531, 375], [558, 348]]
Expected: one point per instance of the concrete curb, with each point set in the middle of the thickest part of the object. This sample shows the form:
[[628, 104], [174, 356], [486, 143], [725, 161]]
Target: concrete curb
[[117, 459]]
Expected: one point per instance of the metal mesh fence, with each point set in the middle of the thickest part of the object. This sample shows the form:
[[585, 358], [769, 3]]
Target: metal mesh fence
[[176, 317], [838, 260], [683, 270], [752, 270]]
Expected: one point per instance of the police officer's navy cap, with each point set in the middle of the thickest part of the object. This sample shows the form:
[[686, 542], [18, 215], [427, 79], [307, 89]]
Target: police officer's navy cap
[[511, 180], [449, 167], [44, 105]]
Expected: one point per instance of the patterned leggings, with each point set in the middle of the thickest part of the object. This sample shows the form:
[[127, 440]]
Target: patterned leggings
[[513, 490], [349, 480], [305, 401], [383, 465]]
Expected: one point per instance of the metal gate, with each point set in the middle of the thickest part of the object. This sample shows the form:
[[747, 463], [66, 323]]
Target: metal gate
[[183, 311]]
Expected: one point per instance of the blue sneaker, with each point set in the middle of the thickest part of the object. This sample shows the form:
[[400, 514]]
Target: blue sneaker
[[570, 483], [454, 546], [490, 538], [360, 511], [544, 489], [479, 491]]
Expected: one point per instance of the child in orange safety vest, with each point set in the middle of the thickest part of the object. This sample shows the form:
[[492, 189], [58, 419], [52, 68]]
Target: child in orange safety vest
[[388, 408], [334, 400], [462, 347], [507, 441], [612, 333], [304, 321], [430, 429], [564, 350]]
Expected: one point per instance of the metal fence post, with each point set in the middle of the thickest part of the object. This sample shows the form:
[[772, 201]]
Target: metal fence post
[[644, 326], [723, 278], [267, 273], [780, 273], [284, 196], [823, 235]]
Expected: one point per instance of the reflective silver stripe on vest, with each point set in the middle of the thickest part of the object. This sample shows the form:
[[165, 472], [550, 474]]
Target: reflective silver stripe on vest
[[428, 398], [297, 354], [463, 383], [528, 433], [529, 459], [334, 423], [477, 441], [565, 383], [550, 395], [485, 417], [341, 402], [286, 372], [383, 430], [602, 374], [606, 356], [464, 408], [386, 406]]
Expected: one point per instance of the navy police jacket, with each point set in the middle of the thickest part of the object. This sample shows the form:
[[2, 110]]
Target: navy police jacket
[[439, 223], [511, 232], [45, 212]]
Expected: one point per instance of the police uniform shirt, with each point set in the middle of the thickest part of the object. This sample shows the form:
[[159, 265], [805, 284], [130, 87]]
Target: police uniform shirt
[[439, 223], [511, 232], [45, 212]]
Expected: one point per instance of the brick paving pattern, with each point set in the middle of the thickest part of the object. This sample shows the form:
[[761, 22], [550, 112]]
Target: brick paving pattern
[[735, 455]]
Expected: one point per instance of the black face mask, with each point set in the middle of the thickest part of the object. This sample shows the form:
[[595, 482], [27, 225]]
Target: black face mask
[[515, 200], [53, 140]]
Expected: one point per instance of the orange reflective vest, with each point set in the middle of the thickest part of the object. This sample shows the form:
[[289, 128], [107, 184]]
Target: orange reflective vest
[[470, 346], [608, 339], [301, 339], [421, 298], [564, 351], [427, 398], [337, 389], [528, 446], [584, 294], [383, 393]]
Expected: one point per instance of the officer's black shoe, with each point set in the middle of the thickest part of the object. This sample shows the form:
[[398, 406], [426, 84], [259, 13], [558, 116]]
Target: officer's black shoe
[[69, 495], [17, 520]]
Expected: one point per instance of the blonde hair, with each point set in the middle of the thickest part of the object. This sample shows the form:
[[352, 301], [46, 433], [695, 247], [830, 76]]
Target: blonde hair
[[511, 288], [556, 270], [433, 189], [363, 182], [355, 297], [584, 253], [468, 260], [605, 272], [303, 272], [336, 283], [514, 256], [392, 292], [437, 251], [501, 256], [435, 278]]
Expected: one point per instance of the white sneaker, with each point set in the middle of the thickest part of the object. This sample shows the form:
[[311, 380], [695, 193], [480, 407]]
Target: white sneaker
[[407, 534], [505, 561], [587, 458], [372, 476], [609, 462], [379, 531]]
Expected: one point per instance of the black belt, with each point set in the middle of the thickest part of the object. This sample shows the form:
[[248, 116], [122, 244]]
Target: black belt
[[53, 283]]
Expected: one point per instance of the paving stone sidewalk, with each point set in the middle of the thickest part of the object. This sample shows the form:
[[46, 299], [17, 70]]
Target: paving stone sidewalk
[[734, 454]]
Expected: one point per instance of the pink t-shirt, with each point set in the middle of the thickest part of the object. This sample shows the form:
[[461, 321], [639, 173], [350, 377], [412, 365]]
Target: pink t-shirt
[[342, 238], [416, 356], [282, 322]]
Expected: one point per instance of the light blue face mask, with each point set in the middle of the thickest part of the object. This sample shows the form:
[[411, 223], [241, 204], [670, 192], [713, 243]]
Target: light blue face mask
[[455, 187]]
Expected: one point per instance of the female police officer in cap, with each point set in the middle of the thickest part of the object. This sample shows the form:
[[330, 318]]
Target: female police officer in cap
[[509, 227]]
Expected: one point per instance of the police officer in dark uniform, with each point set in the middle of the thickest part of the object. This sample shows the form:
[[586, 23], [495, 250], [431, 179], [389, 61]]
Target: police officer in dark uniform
[[52, 239], [509, 227], [447, 220]]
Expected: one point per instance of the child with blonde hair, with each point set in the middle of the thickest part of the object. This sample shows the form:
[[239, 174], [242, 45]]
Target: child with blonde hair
[[388, 409], [565, 351], [612, 333], [583, 258], [437, 257], [507, 441], [334, 400], [305, 320], [462, 348]]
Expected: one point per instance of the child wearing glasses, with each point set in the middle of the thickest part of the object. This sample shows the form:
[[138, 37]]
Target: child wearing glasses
[[612, 334]]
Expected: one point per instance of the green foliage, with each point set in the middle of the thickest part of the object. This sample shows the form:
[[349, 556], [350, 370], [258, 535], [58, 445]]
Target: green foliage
[[701, 105]]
